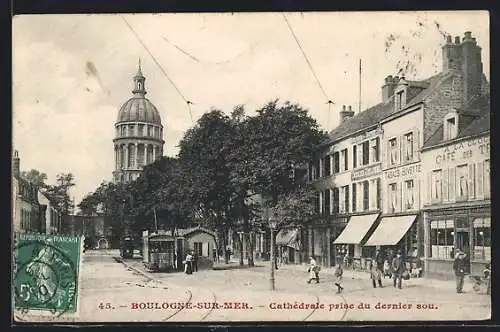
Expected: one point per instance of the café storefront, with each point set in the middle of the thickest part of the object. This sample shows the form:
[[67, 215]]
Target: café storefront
[[457, 213]]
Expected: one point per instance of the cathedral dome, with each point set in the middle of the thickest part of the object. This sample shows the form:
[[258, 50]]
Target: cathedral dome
[[139, 109]]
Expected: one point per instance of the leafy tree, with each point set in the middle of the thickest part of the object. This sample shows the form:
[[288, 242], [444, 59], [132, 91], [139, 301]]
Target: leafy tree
[[266, 151], [58, 194], [35, 177]]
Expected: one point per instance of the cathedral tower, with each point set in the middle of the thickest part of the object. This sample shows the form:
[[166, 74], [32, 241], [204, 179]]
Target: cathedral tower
[[138, 133]]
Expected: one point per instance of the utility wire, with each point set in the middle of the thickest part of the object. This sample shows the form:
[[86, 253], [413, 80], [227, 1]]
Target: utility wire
[[305, 57], [160, 66]]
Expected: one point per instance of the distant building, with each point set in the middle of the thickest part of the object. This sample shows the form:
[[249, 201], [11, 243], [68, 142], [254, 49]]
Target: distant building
[[51, 220], [139, 134], [25, 206]]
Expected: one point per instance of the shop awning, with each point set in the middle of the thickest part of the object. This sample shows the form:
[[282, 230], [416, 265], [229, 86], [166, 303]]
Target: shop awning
[[390, 230], [356, 229], [288, 238]]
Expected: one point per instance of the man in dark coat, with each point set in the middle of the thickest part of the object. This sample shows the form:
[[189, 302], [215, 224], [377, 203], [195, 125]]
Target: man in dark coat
[[459, 268], [398, 267], [195, 261]]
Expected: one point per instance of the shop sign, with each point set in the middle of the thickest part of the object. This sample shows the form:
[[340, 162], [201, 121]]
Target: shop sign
[[403, 171], [463, 150], [367, 135], [365, 172]]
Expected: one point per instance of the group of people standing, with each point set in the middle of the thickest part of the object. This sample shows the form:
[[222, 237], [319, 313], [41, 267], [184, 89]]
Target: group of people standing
[[190, 263], [378, 270]]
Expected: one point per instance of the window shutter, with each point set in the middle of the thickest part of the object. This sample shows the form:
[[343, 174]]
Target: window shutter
[[429, 186], [445, 185], [416, 145], [354, 156], [346, 199], [472, 179], [479, 179], [399, 200], [452, 184], [379, 192], [354, 198], [416, 194]]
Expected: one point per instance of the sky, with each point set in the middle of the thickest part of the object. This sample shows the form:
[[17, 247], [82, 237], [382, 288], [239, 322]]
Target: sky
[[72, 73]]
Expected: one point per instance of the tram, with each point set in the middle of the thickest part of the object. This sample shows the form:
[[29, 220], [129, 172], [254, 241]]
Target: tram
[[162, 252], [127, 247]]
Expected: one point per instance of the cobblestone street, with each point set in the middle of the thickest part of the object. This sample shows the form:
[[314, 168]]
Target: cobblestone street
[[128, 290]]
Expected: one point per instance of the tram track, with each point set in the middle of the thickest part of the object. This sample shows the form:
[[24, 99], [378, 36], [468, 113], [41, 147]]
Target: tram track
[[183, 308]]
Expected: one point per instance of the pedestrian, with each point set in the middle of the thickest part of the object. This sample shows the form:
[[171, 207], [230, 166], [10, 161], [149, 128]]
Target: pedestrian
[[188, 264], [459, 268], [337, 273], [375, 274], [487, 277], [195, 261], [397, 269], [313, 270], [214, 254], [379, 260], [179, 260]]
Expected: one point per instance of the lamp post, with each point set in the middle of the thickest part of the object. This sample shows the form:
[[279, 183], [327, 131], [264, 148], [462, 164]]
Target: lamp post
[[272, 227]]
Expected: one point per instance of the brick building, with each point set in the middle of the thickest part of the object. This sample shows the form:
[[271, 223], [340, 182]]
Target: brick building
[[369, 176]]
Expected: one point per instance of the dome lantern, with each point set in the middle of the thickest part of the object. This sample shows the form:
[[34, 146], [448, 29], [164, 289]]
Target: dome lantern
[[139, 82]]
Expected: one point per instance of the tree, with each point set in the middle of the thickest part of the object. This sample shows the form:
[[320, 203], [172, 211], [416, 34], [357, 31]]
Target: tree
[[35, 177], [58, 194], [266, 152], [204, 152]]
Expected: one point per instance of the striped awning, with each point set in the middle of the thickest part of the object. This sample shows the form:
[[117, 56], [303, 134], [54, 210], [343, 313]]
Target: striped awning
[[288, 238], [356, 229]]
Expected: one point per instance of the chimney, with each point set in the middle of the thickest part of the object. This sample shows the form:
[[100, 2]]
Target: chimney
[[472, 67], [465, 56], [346, 113], [388, 87], [16, 165]]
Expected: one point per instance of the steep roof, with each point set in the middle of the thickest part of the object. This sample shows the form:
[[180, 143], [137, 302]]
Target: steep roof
[[375, 114], [479, 109]]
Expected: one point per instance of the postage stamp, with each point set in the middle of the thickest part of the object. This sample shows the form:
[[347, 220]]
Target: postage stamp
[[46, 270]]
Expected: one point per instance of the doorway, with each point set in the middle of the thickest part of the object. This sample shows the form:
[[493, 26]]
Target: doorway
[[462, 242]]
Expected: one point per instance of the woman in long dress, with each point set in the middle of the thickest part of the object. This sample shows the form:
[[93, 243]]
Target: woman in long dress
[[313, 270], [188, 268]]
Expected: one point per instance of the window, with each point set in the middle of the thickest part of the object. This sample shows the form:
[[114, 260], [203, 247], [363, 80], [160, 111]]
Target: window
[[141, 130], [450, 128], [375, 147], [131, 130], [399, 99], [365, 153], [123, 128], [354, 156], [409, 201], [436, 186], [482, 239], [487, 179], [327, 201], [150, 131], [318, 202], [479, 179], [393, 151], [345, 161], [157, 132], [131, 155], [366, 196], [326, 166], [442, 238], [346, 199], [408, 147], [393, 197], [354, 206], [342, 205], [335, 206], [462, 182], [336, 163], [198, 248]]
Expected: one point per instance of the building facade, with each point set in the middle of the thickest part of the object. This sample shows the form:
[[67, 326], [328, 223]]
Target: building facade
[[50, 219], [457, 206], [370, 176], [25, 205], [138, 134]]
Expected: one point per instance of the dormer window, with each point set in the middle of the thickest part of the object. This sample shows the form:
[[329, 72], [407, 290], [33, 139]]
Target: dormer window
[[399, 99], [450, 126]]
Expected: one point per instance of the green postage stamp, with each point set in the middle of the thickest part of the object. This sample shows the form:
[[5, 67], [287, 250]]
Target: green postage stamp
[[45, 274]]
